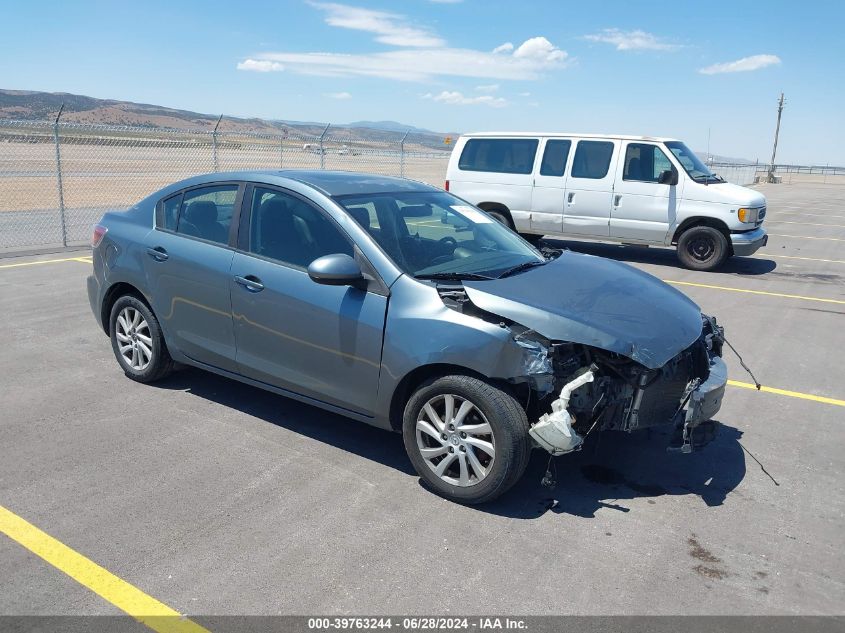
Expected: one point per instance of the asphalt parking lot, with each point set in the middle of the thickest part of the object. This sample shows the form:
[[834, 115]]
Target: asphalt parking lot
[[217, 498]]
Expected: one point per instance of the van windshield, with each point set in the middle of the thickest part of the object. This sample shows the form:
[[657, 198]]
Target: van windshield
[[691, 163], [434, 235]]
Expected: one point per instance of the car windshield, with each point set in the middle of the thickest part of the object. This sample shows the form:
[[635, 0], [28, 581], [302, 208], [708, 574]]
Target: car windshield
[[434, 235], [691, 163]]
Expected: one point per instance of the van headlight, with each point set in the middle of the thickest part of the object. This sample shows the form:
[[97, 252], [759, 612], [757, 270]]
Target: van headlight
[[747, 214]]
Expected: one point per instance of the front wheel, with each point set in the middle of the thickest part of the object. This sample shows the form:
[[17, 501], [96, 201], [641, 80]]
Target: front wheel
[[467, 439], [703, 248]]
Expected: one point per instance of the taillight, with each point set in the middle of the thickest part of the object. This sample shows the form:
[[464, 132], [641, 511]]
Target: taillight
[[447, 186], [99, 233]]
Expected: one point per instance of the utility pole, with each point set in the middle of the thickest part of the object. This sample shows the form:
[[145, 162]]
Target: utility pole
[[775, 148]]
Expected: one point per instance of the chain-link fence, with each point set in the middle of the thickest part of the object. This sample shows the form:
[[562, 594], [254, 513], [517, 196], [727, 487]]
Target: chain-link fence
[[57, 179]]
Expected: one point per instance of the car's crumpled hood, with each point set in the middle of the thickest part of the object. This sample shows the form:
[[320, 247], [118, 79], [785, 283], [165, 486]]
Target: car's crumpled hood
[[598, 302]]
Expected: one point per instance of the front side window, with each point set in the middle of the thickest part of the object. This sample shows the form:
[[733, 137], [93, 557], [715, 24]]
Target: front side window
[[554, 158], [592, 159], [500, 155], [644, 163], [285, 228], [206, 212], [436, 235]]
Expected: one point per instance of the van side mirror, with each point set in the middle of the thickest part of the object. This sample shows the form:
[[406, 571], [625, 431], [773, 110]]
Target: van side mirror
[[338, 269], [668, 177]]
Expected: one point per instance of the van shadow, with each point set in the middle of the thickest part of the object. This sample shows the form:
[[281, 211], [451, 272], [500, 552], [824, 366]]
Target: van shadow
[[615, 467], [611, 468], [742, 266]]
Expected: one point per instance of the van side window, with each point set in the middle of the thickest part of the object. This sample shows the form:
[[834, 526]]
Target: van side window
[[206, 212], [592, 159], [644, 163], [554, 158], [500, 155]]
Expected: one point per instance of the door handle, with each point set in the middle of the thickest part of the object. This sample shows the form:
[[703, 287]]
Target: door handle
[[570, 197], [250, 282], [158, 253], [616, 199]]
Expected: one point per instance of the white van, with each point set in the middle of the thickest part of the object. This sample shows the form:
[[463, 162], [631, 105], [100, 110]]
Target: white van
[[629, 189]]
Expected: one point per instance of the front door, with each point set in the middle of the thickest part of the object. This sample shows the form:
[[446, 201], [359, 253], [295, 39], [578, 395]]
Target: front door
[[550, 187], [186, 260], [319, 341], [589, 188], [643, 209]]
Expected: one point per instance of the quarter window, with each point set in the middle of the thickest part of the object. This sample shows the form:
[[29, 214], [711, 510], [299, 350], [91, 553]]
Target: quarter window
[[170, 212], [644, 163], [207, 212], [500, 155], [592, 159], [554, 158], [289, 230]]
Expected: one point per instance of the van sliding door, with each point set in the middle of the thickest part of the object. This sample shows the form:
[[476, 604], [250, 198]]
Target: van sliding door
[[589, 188]]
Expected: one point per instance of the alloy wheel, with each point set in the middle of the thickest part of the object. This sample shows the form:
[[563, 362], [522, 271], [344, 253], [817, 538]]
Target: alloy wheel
[[134, 340]]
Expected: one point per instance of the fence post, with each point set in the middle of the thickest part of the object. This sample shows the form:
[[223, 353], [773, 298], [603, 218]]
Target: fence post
[[59, 174], [214, 162], [322, 149], [402, 155]]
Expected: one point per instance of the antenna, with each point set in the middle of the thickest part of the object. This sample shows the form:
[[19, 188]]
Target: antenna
[[771, 177]]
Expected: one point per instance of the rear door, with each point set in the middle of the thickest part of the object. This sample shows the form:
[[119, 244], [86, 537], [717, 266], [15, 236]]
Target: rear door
[[643, 209], [550, 187], [187, 261], [320, 341], [589, 188]]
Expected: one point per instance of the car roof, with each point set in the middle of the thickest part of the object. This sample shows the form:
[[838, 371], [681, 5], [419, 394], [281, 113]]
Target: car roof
[[330, 183], [624, 137]]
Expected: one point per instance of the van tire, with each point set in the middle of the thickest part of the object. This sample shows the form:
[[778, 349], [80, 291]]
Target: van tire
[[500, 217], [703, 248]]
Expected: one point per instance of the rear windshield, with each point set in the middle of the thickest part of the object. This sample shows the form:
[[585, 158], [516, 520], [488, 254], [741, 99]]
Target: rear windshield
[[500, 155]]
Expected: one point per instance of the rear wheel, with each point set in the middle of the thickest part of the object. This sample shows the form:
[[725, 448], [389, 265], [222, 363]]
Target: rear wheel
[[500, 217], [467, 439], [137, 341], [703, 248]]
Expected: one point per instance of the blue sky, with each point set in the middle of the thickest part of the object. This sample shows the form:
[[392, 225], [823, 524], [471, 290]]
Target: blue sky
[[673, 69]]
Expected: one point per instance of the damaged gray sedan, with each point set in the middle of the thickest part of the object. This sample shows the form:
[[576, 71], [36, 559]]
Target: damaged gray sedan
[[400, 305]]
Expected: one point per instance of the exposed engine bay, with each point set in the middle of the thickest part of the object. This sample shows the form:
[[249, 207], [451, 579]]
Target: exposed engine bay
[[572, 389]]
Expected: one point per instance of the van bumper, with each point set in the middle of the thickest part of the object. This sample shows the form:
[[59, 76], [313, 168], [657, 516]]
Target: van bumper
[[749, 242]]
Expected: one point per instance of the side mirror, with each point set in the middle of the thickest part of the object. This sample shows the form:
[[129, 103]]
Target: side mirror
[[668, 177], [336, 270]]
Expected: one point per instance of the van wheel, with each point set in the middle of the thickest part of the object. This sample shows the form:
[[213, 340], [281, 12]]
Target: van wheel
[[137, 341], [532, 238], [500, 217], [467, 439], [703, 248]]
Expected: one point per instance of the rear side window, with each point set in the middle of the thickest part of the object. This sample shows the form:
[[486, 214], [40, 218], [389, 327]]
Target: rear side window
[[554, 158], [170, 212], [644, 163], [500, 155], [207, 212], [592, 159]]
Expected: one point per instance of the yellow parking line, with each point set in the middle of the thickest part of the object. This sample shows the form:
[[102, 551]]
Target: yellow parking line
[[791, 394], [807, 237], [809, 259], [118, 592], [86, 260], [753, 292]]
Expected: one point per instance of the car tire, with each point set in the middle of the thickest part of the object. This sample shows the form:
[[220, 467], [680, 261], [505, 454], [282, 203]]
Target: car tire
[[500, 217], [481, 465], [137, 341], [703, 248], [532, 238]]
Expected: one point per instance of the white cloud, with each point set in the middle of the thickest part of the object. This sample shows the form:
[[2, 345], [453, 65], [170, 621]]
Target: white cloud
[[632, 40], [260, 65], [541, 49], [487, 88], [457, 98], [524, 94], [390, 28], [755, 62], [337, 95], [507, 47], [529, 61]]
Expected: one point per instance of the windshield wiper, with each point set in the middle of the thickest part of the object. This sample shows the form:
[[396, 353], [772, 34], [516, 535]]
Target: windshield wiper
[[453, 276], [521, 267]]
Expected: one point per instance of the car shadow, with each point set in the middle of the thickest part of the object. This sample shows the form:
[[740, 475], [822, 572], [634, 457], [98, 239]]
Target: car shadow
[[661, 256], [612, 467]]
